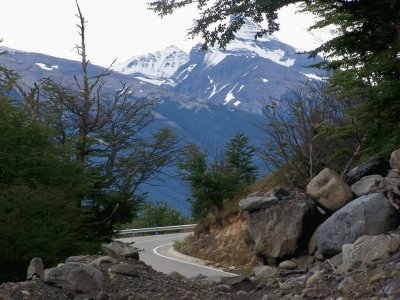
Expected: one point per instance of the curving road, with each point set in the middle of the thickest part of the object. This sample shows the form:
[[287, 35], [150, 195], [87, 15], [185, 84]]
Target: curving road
[[157, 251]]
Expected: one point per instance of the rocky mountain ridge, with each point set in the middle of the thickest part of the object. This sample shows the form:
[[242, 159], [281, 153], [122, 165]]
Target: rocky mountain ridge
[[157, 67], [245, 76]]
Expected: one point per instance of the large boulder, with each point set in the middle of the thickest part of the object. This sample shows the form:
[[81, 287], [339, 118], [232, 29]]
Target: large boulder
[[257, 201], [261, 200], [239, 283], [98, 262], [76, 277], [395, 159], [368, 250], [375, 165], [392, 181], [369, 184], [118, 249], [35, 269], [278, 230], [124, 269], [329, 190], [368, 215]]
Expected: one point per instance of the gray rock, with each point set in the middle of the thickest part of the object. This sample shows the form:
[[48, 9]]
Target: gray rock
[[369, 184], [292, 282], [375, 165], [368, 215], [391, 288], [392, 181], [262, 273], [368, 250], [239, 283], [118, 249], [76, 277], [345, 284], [124, 269], [276, 232], [336, 260], [225, 287], [288, 265], [212, 279], [79, 258], [257, 202], [198, 277], [103, 260], [280, 193], [35, 269], [313, 279], [270, 297], [177, 275], [329, 190], [395, 159]]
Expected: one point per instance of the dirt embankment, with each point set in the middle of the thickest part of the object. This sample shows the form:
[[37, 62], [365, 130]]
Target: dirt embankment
[[221, 240]]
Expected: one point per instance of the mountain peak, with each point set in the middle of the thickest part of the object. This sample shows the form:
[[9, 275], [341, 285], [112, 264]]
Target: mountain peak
[[249, 30], [157, 65]]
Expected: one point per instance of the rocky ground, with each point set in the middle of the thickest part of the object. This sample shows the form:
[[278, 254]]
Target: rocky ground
[[119, 277], [309, 279]]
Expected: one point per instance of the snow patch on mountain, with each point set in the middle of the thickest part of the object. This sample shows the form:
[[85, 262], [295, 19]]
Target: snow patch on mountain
[[214, 57], [183, 74], [216, 90], [313, 76], [249, 30], [45, 67], [229, 97], [152, 81]]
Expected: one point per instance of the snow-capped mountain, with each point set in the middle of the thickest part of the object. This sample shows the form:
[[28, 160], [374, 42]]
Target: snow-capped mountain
[[245, 75], [156, 68]]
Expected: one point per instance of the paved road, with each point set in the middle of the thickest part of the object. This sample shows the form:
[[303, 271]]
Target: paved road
[[158, 253]]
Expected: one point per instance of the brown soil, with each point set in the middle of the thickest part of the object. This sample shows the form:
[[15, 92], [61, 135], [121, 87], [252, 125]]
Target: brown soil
[[222, 241]]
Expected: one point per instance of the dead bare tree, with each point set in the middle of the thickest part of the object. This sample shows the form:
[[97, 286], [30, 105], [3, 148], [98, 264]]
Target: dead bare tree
[[296, 139], [106, 128]]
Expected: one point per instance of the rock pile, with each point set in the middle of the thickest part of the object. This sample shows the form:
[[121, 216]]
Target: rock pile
[[356, 232], [117, 273]]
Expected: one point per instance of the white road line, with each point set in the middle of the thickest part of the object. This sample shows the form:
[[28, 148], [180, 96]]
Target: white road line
[[185, 262]]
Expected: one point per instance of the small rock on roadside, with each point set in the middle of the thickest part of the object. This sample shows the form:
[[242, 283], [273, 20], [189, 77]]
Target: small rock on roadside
[[288, 265], [395, 159], [345, 284], [118, 249], [314, 278], [124, 269]]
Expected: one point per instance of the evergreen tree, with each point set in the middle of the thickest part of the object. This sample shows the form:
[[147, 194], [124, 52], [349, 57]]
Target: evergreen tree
[[213, 183], [239, 155], [157, 215], [40, 197]]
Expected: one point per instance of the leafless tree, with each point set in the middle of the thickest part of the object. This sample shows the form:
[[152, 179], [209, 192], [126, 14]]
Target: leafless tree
[[297, 136]]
